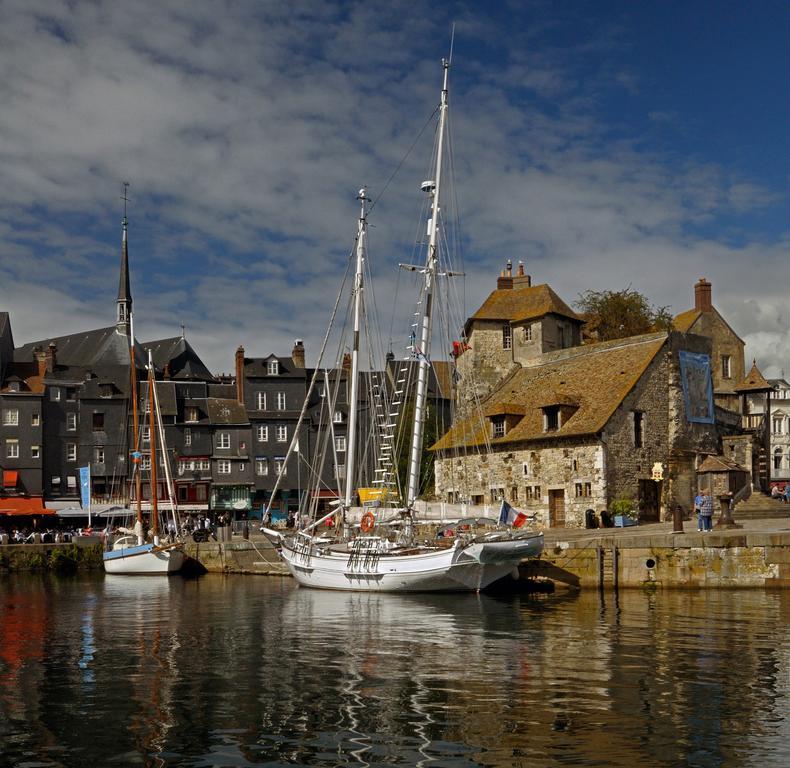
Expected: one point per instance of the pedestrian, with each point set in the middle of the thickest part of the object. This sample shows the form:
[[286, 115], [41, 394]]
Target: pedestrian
[[706, 511], [775, 492], [787, 494], [698, 509]]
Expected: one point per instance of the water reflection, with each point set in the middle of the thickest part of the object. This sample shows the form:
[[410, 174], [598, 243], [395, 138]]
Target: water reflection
[[250, 671]]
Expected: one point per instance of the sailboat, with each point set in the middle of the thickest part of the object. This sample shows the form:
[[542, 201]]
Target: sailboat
[[131, 554], [469, 560]]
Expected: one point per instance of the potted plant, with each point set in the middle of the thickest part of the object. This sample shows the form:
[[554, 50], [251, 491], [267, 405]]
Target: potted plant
[[623, 512]]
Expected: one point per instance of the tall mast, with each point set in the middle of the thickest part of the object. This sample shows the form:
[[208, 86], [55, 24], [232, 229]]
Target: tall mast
[[124, 302], [138, 481], [352, 401], [152, 430], [429, 277]]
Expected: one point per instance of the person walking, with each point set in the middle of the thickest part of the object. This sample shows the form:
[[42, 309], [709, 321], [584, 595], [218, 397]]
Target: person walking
[[698, 509], [706, 511]]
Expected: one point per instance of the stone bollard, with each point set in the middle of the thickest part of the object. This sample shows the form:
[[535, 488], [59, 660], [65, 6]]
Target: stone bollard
[[677, 519]]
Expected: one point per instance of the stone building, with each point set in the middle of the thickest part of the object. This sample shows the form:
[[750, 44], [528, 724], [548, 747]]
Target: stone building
[[727, 358], [515, 325], [579, 428]]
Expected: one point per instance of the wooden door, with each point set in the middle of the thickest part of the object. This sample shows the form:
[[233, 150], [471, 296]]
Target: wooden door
[[650, 496], [557, 509]]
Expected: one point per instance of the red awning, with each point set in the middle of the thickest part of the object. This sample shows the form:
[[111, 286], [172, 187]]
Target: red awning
[[10, 477], [24, 506]]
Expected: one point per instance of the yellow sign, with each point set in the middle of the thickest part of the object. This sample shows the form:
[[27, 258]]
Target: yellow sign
[[658, 471]]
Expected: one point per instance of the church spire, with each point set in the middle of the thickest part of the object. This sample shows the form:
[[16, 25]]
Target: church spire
[[124, 303]]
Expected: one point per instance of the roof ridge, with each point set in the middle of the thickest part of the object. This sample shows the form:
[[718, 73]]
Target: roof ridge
[[592, 349]]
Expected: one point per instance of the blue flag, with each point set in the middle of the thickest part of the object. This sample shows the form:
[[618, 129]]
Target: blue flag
[[85, 486]]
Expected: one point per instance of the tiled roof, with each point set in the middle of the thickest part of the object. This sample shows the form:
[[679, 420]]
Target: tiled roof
[[754, 381], [594, 377], [685, 320], [516, 304], [719, 464]]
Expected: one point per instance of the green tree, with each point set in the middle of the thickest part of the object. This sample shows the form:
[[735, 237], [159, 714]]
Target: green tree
[[617, 314]]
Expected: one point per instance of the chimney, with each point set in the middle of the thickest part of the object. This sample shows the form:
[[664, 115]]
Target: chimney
[[297, 354], [51, 357], [505, 279], [240, 374], [40, 356], [703, 300], [522, 280]]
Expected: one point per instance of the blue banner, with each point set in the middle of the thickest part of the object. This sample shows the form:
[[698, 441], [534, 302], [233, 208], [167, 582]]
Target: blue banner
[[695, 376], [85, 486]]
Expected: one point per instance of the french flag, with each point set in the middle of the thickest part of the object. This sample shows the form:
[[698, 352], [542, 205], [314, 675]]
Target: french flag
[[510, 516]]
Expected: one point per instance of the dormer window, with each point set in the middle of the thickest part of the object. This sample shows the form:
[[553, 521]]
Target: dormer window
[[338, 417], [191, 414], [272, 368], [551, 418], [507, 336], [498, 426], [527, 331]]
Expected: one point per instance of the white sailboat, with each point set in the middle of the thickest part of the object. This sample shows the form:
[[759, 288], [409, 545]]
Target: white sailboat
[[470, 560], [131, 555]]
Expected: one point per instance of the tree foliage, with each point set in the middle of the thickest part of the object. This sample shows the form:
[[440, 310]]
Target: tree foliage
[[617, 314]]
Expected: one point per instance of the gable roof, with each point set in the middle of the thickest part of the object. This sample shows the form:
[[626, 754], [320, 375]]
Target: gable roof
[[179, 356], [595, 377], [88, 349], [719, 464], [518, 304], [754, 381]]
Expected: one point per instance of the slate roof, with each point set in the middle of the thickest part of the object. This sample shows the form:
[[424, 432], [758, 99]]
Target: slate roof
[[754, 381], [89, 349], [256, 366], [595, 377], [180, 357], [5, 323], [517, 304], [226, 411]]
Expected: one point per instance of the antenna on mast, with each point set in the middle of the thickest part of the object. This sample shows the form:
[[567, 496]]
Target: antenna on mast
[[125, 197], [452, 42]]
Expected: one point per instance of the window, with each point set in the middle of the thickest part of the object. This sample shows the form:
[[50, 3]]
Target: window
[[98, 422], [261, 467], [191, 414], [575, 465], [204, 464], [551, 418], [105, 390], [223, 467], [778, 425], [340, 443], [71, 394], [187, 436], [262, 433], [279, 467], [338, 417], [200, 493], [11, 417], [527, 333], [35, 452], [12, 449], [146, 433], [260, 401], [71, 482], [341, 471], [183, 493], [281, 401], [55, 483], [583, 489], [242, 466], [639, 426], [35, 420], [507, 336], [71, 422], [147, 406], [145, 461], [498, 424], [272, 368], [282, 434], [525, 469], [54, 393], [98, 456], [778, 458], [532, 493], [726, 366], [71, 451], [223, 440]]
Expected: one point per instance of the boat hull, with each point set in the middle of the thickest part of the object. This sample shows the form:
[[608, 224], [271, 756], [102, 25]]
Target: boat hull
[[455, 569], [144, 560]]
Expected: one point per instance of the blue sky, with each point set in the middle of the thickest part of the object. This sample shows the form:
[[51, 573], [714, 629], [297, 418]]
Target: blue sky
[[607, 144]]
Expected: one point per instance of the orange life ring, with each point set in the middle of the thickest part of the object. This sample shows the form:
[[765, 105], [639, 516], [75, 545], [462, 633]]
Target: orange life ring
[[367, 522]]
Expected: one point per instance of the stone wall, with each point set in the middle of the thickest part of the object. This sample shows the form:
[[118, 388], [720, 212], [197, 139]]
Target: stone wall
[[724, 342]]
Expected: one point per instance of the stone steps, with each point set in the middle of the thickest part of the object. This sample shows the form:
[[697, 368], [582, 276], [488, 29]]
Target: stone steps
[[761, 507]]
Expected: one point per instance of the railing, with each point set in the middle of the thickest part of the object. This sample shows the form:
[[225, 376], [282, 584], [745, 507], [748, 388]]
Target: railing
[[120, 500], [752, 421]]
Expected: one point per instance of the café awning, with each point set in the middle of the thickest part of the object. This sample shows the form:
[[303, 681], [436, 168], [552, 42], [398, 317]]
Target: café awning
[[33, 505], [10, 477]]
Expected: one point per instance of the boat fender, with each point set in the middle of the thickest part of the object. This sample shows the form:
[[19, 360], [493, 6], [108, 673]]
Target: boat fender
[[367, 522]]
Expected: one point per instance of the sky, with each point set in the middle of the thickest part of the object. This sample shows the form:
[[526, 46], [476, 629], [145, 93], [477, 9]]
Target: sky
[[606, 144]]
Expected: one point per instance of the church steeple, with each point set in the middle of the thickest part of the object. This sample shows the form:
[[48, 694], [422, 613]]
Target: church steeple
[[124, 303]]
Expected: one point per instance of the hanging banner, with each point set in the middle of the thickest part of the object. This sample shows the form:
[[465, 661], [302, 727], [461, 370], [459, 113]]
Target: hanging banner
[[85, 487]]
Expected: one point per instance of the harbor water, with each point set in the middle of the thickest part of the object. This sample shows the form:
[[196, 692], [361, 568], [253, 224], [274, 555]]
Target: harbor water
[[246, 671]]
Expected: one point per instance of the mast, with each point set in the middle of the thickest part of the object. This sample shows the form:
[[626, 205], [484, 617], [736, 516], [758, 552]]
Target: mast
[[352, 401], [152, 430], [429, 279], [138, 481]]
